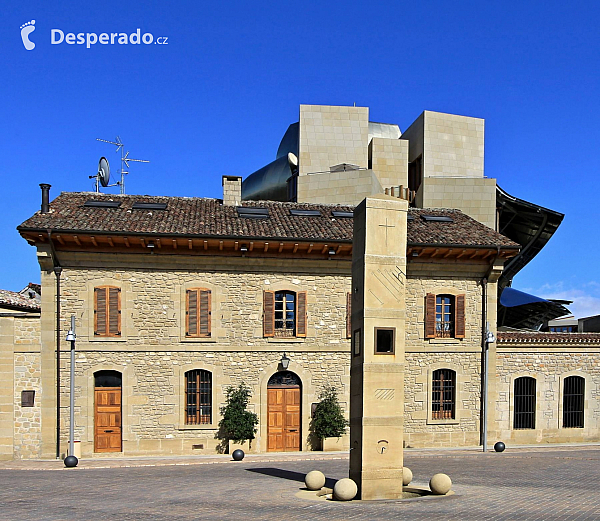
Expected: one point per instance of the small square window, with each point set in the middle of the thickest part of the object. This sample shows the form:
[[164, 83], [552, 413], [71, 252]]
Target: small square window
[[384, 340], [27, 398]]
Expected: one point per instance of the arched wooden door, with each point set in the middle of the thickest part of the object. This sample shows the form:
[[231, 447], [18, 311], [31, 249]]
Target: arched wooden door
[[284, 399], [107, 411]]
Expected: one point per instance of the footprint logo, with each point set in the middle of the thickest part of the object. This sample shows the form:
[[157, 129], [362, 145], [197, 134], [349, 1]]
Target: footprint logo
[[26, 30]]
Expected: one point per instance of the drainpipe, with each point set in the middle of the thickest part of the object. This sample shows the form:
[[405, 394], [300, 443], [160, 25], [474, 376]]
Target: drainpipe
[[57, 272], [484, 393]]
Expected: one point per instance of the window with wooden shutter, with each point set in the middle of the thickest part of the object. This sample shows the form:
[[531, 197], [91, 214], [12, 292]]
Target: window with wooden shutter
[[348, 315], [107, 311], [301, 314], [430, 315], [269, 313], [459, 320], [198, 313]]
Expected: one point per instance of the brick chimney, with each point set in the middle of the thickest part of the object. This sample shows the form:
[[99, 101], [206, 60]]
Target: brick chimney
[[232, 190]]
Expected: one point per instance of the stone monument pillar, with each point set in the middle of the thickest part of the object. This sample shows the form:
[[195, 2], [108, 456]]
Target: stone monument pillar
[[378, 338]]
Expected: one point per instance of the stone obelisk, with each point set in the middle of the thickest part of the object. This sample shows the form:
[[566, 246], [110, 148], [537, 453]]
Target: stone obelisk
[[378, 338]]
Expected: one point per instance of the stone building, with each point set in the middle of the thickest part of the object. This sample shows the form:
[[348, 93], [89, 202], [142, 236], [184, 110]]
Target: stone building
[[175, 299]]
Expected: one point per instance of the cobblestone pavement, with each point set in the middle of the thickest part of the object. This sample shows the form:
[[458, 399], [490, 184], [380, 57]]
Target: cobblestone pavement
[[547, 483]]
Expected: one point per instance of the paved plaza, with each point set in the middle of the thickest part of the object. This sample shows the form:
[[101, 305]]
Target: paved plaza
[[558, 483]]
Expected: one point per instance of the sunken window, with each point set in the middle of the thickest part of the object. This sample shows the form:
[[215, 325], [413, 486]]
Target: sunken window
[[443, 387], [107, 311], [198, 397], [198, 313], [284, 314], [573, 402], [524, 403]]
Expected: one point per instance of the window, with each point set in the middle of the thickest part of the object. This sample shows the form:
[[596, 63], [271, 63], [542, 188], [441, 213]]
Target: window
[[444, 316], [561, 329], [197, 313], [524, 403], [443, 385], [107, 311], [284, 314], [198, 397], [384, 340], [573, 401]]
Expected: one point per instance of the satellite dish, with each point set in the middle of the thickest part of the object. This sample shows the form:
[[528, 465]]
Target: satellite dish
[[103, 171]]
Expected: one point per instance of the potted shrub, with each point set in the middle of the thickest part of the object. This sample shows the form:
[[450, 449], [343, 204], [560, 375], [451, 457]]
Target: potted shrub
[[328, 424], [237, 425]]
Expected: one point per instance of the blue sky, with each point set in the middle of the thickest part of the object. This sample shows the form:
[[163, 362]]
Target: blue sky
[[217, 98]]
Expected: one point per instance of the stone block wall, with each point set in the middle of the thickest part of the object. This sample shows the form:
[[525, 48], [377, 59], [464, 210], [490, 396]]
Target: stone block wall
[[549, 366], [332, 135], [27, 420]]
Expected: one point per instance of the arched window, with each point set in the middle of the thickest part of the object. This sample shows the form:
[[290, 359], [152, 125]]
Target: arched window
[[524, 403], [573, 401], [198, 397], [443, 386]]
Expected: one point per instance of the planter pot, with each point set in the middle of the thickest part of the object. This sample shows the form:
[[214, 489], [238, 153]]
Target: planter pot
[[246, 446], [336, 444]]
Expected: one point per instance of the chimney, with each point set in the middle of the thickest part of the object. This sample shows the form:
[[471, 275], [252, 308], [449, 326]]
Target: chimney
[[232, 190], [45, 197]]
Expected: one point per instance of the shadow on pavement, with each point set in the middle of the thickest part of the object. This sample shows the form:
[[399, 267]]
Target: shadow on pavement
[[288, 474]]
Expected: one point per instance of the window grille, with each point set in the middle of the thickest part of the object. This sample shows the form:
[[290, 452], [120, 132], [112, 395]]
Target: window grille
[[443, 384], [524, 403], [198, 397], [573, 402]]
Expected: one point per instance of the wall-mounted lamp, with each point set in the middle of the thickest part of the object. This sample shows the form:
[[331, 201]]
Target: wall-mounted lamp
[[331, 251], [243, 248], [150, 245], [285, 362], [415, 253], [490, 338]]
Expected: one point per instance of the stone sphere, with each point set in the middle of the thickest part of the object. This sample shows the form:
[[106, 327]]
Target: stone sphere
[[499, 446], [314, 480], [407, 476], [345, 490], [70, 461], [440, 484], [238, 455]]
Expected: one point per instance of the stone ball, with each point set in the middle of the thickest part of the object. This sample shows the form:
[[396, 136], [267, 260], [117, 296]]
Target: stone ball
[[440, 484], [499, 446], [238, 455], [407, 476], [345, 490], [314, 480]]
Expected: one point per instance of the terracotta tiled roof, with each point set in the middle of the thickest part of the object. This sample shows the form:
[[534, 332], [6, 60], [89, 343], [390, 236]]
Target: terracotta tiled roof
[[12, 300], [209, 217], [537, 337]]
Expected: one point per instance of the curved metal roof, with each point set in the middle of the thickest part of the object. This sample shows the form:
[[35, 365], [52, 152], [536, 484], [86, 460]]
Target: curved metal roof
[[526, 223], [521, 310]]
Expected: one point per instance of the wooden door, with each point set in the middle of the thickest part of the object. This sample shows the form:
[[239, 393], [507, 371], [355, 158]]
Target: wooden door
[[107, 419], [283, 413]]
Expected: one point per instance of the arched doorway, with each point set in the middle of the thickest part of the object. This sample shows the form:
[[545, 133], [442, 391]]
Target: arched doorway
[[107, 411], [284, 398]]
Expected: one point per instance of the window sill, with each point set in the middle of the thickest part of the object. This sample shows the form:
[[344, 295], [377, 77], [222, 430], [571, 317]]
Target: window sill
[[106, 339], [443, 422], [287, 340], [203, 427], [207, 340], [445, 340]]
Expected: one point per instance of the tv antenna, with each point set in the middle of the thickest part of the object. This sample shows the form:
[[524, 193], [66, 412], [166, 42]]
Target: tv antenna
[[125, 160]]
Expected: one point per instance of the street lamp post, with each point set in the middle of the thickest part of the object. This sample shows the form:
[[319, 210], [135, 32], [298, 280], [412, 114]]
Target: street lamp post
[[71, 460]]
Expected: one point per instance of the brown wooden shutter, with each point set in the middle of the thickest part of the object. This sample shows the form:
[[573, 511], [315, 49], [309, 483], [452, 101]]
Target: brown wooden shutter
[[459, 317], [430, 315], [348, 315], [301, 314], [268, 313], [100, 311], [204, 313], [191, 313]]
